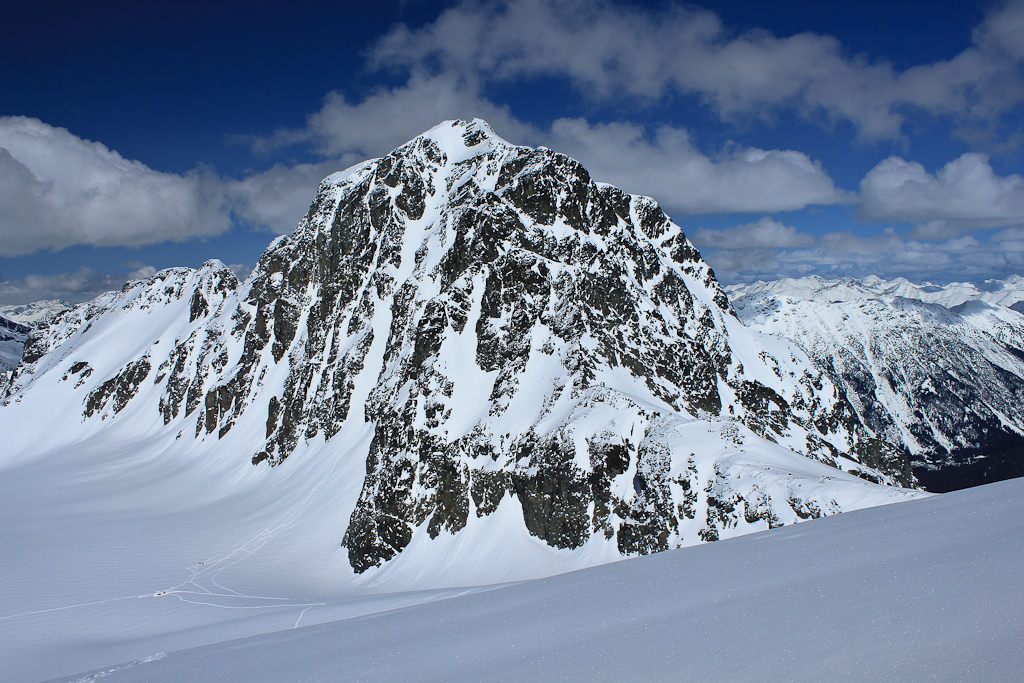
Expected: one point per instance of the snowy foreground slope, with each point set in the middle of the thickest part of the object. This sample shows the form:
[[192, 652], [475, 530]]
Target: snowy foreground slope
[[928, 590], [130, 544]]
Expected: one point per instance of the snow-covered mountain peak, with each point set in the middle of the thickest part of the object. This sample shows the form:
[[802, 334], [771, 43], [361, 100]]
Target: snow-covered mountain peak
[[444, 147], [461, 140], [498, 343]]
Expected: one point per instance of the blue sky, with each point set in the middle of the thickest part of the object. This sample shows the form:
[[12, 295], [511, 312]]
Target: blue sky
[[842, 138]]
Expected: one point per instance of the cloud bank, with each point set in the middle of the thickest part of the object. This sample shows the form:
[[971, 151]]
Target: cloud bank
[[963, 195], [669, 168], [608, 50], [59, 190], [768, 250]]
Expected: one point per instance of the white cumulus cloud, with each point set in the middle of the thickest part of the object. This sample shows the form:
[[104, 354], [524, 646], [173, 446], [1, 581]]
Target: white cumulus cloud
[[59, 190], [608, 50], [765, 233], [277, 198], [965, 194], [389, 117], [684, 180]]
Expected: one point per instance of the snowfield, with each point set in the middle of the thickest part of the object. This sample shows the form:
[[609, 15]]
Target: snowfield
[[125, 546], [919, 591]]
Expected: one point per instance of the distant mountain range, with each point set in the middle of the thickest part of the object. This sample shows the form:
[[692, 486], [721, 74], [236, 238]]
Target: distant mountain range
[[1008, 293], [12, 340], [35, 312], [945, 382], [15, 324]]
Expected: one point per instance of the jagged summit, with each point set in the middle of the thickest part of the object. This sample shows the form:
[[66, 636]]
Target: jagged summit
[[499, 342], [463, 140], [457, 140]]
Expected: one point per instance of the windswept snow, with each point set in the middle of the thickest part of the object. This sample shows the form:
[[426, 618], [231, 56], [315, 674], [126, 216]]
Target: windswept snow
[[928, 590]]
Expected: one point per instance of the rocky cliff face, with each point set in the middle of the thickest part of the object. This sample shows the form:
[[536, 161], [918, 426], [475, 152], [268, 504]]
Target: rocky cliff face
[[945, 384], [508, 332]]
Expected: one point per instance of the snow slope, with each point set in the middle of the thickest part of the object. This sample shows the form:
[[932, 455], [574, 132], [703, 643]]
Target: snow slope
[[928, 590], [129, 544]]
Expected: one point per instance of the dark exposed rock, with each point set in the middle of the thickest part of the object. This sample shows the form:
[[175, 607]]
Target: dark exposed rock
[[198, 307], [652, 515], [82, 369], [553, 491], [488, 489], [119, 389]]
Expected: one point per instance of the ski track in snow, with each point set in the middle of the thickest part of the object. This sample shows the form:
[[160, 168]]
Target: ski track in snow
[[209, 570], [927, 590], [215, 567], [127, 665]]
